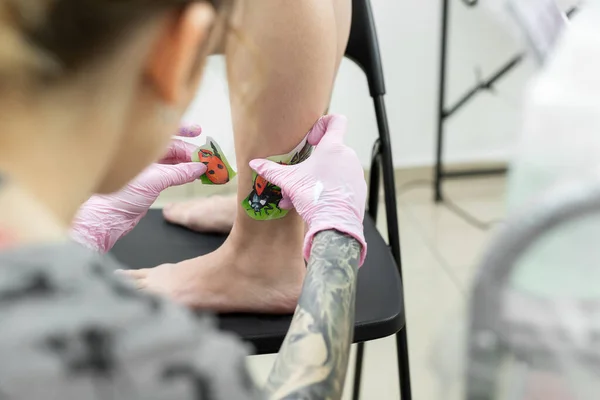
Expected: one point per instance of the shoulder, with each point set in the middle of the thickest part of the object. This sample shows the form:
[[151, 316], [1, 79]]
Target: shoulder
[[66, 318]]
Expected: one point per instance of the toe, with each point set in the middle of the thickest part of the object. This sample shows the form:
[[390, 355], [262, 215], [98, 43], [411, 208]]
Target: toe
[[205, 214], [141, 284], [139, 278], [176, 213], [133, 273], [191, 214]]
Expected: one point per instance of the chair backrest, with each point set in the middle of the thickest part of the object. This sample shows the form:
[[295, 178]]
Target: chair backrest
[[363, 46]]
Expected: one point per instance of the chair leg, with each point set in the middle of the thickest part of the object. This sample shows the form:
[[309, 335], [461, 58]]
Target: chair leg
[[389, 185], [360, 350], [439, 163], [403, 364], [373, 206], [375, 181]]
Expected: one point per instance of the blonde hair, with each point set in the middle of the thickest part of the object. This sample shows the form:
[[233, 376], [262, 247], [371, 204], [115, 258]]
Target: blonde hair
[[16, 53], [47, 38]]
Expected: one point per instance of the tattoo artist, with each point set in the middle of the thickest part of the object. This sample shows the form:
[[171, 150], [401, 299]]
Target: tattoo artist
[[161, 351], [90, 93]]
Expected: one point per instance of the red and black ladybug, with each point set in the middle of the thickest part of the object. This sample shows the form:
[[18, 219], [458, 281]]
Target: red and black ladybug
[[216, 171], [265, 196]]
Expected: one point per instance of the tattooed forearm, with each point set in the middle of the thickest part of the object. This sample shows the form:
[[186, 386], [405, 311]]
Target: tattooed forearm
[[313, 360]]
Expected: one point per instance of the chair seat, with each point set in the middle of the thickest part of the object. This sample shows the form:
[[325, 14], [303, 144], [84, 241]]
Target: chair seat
[[379, 305]]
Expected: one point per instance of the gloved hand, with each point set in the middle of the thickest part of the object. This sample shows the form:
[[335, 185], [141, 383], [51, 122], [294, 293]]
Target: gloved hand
[[104, 219], [328, 190]]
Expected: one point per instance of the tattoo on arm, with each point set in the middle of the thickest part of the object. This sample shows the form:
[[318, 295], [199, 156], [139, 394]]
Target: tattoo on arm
[[313, 360]]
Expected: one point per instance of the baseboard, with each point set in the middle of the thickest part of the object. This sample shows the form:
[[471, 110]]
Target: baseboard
[[405, 175]]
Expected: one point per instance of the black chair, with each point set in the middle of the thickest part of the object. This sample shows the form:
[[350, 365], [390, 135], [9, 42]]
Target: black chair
[[380, 304]]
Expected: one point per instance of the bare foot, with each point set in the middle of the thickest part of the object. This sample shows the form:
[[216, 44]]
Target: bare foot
[[241, 276], [204, 214]]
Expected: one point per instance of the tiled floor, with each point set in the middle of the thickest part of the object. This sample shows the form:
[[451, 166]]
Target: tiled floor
[[440, 252], [440, 255]]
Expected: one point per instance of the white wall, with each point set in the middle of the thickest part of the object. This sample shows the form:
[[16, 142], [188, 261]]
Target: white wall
[[409, 39]]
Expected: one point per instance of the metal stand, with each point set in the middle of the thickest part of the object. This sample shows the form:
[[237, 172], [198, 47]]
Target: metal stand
[[363, 48], [445, 113]]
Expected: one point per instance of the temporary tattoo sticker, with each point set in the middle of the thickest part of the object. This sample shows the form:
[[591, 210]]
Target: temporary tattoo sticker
[[262, 204], [219, 171]]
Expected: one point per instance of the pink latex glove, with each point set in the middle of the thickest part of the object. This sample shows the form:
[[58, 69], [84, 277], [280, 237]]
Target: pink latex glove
[[328, 190], [103, 220]]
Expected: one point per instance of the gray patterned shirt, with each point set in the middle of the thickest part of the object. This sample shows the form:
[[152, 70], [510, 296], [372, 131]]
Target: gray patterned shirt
[[71, 329]]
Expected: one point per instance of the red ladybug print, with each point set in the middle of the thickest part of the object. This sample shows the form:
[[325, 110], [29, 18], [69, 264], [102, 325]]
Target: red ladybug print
[[260, 184], [216, 171], [265, 196]]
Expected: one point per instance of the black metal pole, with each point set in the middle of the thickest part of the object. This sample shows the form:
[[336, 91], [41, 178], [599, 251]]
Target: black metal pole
[[474, 173], [373, 208], [484, 85], [441, 103], [389, 181], [403, 362], [375, 181], [360, 351], [391, 207]]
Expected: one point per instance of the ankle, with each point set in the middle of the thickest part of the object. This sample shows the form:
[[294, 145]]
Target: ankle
[[288, 231], [265, 259]]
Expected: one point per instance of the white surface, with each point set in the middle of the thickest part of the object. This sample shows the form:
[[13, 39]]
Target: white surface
[[409, 37]]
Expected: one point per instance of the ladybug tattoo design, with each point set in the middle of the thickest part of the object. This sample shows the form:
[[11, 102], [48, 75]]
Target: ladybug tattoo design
[[265, 196], [216, 171], [263, 202]]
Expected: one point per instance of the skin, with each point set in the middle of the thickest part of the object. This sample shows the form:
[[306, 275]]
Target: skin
[[281, 75]]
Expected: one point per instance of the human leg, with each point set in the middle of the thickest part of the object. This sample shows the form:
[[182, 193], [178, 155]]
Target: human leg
[[281, 74], [218, 213]]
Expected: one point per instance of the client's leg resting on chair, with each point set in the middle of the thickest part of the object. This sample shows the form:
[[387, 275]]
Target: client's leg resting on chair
[[281, 74], [218, 213]]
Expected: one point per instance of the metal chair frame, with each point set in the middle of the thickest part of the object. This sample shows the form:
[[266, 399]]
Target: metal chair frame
[[363, 49]]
